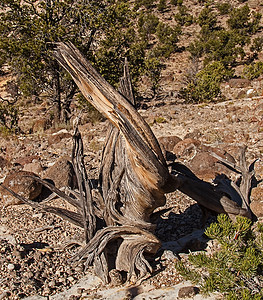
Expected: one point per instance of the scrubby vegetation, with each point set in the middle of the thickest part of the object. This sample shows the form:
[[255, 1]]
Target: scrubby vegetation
[[226, 46], [236, 267], [107, 31], [253, 70]]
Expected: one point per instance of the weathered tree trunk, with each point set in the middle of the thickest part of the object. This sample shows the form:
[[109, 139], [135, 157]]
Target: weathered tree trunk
[[133, 181]]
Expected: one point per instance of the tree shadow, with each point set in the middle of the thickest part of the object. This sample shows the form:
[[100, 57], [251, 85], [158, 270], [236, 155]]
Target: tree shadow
[[183, 232]]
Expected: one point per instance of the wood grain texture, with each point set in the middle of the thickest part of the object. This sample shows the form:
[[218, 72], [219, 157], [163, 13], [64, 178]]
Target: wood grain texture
[[133, 180]]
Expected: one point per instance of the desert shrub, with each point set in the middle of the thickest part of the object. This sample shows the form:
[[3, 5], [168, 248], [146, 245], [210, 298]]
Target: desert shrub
[[207, 18], [176, 2], [253, 70], [244, 21], [162, 5], [183, 17], [223, 8], [153, 69], [257, 44], [168, 37], [239, 18], [146, 3], [221, 45], [8, 117], [147, 24], [205, 85], [221, 49], [236, 268]]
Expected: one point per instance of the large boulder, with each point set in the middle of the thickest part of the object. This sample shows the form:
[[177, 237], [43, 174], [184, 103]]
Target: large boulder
[[257, 201], [22, 184], [62, 173], [22, 161], [199, 159], [58, 136], [168, 142]]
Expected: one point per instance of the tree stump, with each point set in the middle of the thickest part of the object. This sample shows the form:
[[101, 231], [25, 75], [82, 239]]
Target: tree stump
[[133, 181]]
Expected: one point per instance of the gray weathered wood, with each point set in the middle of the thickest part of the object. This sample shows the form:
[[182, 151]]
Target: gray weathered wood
[[133, 180]]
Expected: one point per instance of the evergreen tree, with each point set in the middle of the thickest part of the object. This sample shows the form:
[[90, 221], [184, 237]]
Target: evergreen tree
[[236, 268], [105, 31]]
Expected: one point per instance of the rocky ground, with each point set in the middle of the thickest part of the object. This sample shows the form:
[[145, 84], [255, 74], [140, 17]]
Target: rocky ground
[[35, 246]]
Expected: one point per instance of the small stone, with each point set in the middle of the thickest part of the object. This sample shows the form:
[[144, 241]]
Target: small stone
[[10, 267], [71, 279], [169, 255], [46, 291], [116, 277], [188, 291], [58, 136], [80, 291], [5, 295], [20, 248], [79, 269]]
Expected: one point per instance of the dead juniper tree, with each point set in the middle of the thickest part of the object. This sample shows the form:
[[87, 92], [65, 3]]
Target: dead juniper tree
[[133, 181]]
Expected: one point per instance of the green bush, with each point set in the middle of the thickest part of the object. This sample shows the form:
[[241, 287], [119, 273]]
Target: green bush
[[162, 5], [146, 3], [147, 24], [221, 45], [239, 18], [205, 85], [207, 18], [176, 2], [257, 44], [223, 8], [236, 268], [183, 18], [168, 37], [242, 20], [253, 70], [153, 69]]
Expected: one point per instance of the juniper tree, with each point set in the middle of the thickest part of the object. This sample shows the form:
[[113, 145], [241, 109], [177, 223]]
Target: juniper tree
[[236, 268]]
